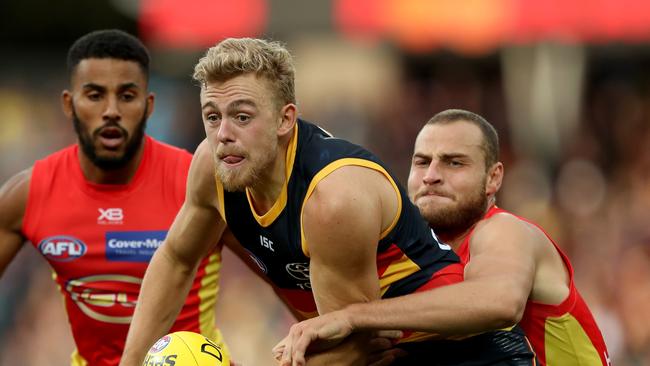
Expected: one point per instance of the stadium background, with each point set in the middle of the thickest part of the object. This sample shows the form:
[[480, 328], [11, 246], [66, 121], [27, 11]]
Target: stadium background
[[567, 84]]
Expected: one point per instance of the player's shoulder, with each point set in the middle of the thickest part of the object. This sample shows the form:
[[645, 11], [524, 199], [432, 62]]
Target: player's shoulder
[[501, 221], [15, 191], [505, 225], [19, 179]]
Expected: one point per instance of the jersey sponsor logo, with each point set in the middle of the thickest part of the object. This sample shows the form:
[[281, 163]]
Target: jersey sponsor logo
[[160, 344], [110, 216], [258, 261], [133, 246], [62, 248], [108, 298], [266, 243], [441, 245], [299, 271]]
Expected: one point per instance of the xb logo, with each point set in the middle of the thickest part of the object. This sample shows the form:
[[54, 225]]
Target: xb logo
[[110, 215]]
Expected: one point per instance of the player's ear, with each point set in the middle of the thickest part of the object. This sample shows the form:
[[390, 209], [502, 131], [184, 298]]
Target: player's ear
[[288, 117], [494, 179], [150, 103], [66, 103]]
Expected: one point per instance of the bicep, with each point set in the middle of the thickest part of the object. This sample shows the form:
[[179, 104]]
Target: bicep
[[503, 257], [13, 201], [342, 225]]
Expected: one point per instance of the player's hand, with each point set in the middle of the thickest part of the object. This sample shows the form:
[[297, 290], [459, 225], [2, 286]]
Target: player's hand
[[382, 350], [327, 331], [316, 334]]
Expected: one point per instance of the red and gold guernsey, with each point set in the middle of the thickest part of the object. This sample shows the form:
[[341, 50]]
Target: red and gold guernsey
[[98, 240], [563, 334]]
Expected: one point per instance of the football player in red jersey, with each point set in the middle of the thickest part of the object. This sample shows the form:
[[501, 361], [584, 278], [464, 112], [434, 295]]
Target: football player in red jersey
[[514, 274], [98, 209]]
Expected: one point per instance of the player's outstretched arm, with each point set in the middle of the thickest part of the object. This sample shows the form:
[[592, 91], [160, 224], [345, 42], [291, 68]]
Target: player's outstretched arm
[[171, 271], [13, 202], [342, 223], [498, 281]]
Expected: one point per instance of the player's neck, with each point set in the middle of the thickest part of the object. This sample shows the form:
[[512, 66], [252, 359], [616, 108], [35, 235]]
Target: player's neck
[[269, 186], [123, 175], [456, 237]]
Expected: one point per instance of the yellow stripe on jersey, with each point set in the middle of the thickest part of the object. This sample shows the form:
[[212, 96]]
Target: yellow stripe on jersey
[[220, 202], [395, 271], [208, 295], [327, 170], [566, 343], [275, 211], [77, 360]]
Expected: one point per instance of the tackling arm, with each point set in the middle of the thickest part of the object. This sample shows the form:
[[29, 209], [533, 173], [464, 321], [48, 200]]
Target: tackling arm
[[196, 228], [498, 281]]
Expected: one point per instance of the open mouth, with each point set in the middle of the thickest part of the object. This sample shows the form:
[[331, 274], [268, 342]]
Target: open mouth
[[111, 137], [232, 160]]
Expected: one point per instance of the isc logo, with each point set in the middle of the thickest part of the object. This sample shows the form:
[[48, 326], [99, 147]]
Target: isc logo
[[62, 248]]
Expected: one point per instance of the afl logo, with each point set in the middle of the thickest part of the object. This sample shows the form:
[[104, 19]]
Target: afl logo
[[62, 248], [160, 344]]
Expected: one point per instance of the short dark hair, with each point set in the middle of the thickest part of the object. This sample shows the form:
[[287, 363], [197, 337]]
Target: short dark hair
[[490, 143], [108, 43]]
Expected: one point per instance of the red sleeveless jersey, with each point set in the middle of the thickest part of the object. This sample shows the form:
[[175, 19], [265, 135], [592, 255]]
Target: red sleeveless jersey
[[98, 239], [563, 334]]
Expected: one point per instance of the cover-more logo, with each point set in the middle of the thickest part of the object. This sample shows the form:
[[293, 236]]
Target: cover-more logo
[[108, 216]]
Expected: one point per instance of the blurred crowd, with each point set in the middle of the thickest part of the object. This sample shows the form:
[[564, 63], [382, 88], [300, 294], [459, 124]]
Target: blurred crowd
[[587, 184]]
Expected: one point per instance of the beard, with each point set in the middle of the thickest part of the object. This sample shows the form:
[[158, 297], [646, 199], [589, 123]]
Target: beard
[[450, 221], [254, 167], [87, 139]]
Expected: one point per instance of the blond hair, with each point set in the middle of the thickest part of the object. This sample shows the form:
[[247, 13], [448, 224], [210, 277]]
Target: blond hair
[[236, 56]]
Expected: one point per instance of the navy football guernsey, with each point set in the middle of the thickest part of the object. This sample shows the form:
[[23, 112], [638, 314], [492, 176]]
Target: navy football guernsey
[[407, 256], [408, 253]]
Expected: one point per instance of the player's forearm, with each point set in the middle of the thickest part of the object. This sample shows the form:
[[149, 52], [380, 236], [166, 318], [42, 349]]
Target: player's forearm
[[460, 309], [164, 288]]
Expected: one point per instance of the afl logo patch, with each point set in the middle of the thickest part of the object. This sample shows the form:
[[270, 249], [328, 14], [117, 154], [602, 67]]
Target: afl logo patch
[[160, 344], [62, 248]]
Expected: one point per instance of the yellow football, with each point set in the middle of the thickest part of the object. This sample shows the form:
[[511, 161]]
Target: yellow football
[[186, 349]]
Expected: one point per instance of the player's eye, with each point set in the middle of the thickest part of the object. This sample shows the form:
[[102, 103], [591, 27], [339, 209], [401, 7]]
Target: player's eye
[[127, 97], [94, 96], [242, 118], [212, 118]]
